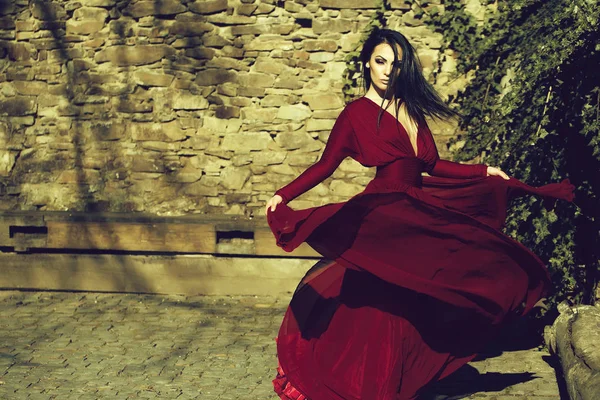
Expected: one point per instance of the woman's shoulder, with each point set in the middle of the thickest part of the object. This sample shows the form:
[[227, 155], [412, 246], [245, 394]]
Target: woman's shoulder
[[354, 106]]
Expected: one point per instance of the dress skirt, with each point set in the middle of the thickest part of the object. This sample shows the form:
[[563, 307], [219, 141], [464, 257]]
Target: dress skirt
[[414, 280]]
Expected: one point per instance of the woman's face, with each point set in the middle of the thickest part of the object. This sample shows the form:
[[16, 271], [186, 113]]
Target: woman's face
[[380, 65]]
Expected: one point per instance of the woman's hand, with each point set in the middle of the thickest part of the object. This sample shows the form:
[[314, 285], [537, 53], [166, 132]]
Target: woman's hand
[[272, 203], [493, 171]]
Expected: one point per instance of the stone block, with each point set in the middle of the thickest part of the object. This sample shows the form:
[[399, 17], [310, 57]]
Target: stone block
[[259, 114], [269, 66], [188, 174], [166, 132], [90, 13], [246, 142], [296, 112], [134, 55], [320, 45], [255, 79], [79, 176], [323, 101], [575, 339], [188, 101], [19, 51], [104, 131], [147, 78], [208, 6], [288, 82], [84, 27], [234, 178], [214, 76], [319, 124], [200, 53], [7, 23], [30, 88], [268, 43], [297, 140], [48, 11], [246, 9], [97, 3], [146, 8], [339, 25], [201, 189], [18, 106], [265, 158], [227, 112], [7, 161], [353, 4]]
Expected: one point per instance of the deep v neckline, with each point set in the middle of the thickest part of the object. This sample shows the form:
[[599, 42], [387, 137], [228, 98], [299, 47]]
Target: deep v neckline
[[414, 147]]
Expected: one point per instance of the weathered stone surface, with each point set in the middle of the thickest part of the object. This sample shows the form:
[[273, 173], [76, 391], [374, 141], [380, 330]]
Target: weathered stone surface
[[276, 100], [90, 13], [269, 42], [246, 142], [47, 11], [7, 161], [320, 45], [188, 174], [84, 27], [265, 158], [201, 53], [133, 55], [269, 66], [208, 6], [147, 78], [19, 51], [145, 8], [78, 176], [200, 189], [255, 79], [18, 106], [319, 124], [29, 88], [341, 188], [97, 3], [234, 178], [167, 132], [227, 112], [575, 339], [213, 76], [188, 101], [323, 101], [246, 9], [339, 25], [355, 4], [399, 5], [103, 130], [295, 112], [259, 114], [297, 140]]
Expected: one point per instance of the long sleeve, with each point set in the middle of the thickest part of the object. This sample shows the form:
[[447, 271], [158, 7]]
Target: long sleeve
[[339, 146], [450, 169]]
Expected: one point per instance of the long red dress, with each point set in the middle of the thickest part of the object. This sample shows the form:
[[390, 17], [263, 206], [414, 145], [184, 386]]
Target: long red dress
[[416, 273]]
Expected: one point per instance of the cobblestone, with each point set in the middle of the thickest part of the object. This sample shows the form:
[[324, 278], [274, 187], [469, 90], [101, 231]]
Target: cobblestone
[[58, 345]]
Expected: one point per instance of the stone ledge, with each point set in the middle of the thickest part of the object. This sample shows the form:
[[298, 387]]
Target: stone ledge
[[575, 339]]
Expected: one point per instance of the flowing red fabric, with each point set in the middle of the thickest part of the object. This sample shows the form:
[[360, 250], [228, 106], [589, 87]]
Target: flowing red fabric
[[416, 273]]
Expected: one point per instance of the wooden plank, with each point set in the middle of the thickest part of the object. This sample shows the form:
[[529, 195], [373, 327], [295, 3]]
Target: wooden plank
[[183, 274], [16, 222], [123, 236]]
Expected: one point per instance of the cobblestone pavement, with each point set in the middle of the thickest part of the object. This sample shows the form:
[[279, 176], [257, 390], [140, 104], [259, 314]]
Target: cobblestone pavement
[[57, 345]]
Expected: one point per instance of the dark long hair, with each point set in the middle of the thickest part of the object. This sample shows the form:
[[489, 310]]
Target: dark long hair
[[410, 86]]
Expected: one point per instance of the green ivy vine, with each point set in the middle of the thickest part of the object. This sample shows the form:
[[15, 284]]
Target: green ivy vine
[[533, 108]]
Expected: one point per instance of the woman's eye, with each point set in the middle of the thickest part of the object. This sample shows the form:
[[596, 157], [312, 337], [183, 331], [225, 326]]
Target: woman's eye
[[379, 61]]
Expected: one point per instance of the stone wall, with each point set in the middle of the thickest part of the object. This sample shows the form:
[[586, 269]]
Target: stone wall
[[176, 106]]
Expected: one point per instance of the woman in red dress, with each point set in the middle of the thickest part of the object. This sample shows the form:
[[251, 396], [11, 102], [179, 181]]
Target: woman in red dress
[[416, 273]]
